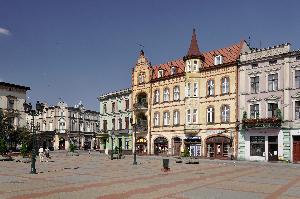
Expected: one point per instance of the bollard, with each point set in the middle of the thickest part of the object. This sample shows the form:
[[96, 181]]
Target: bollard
[[166, 165]]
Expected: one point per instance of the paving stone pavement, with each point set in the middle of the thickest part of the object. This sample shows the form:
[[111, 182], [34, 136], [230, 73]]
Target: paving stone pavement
[[95, 176]]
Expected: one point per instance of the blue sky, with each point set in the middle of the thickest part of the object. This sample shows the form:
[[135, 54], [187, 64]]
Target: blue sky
[[77, 50]]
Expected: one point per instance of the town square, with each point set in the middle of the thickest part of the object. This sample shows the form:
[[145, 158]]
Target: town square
[[149, 99]]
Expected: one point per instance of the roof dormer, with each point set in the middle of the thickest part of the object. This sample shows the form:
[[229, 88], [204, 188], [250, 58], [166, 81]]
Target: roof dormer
[[160, 73], [218, 59]]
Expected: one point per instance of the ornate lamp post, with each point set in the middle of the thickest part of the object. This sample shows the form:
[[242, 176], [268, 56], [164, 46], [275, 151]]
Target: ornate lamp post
[[134, 138], [112, 135], [38, 110]]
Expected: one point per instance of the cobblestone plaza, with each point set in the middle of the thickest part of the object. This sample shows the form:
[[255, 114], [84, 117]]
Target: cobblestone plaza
[[96, 176]]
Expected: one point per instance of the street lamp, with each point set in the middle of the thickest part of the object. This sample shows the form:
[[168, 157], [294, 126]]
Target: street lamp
[[112, 135], [134, 138], [29, 110]]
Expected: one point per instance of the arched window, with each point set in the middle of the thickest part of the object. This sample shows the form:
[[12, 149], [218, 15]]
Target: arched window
[[166, 95], [176, 95], [156, 96], [176, 117], [210, 87], [225, 85], [166, 118], [156, 119], [225, 113], [141, 78], [210, 114]]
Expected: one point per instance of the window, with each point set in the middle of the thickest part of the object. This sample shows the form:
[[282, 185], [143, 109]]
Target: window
[[195, 65], [113, 121], [210, 87], [156, 119], [188, 116], [189, 68], [166, 118], [225, 85], [225, 113], [297, 78], [113, 107], [257, 145], [120, 123], [210, 115], [126, 122], [160, 73], [273, 82], [156, 96], [176, 117], [166, 95], [218, 59], [104, 108], [126, 143], [272, 107], [195, 116], [195, 89], [176, 95], [254, 65], [298, 58], [10, 104], [255, 84], [141, 78], [254, 111], [188, 94], [273, 62], [297, 110], [127, 104], [104, 125], [173, 70]]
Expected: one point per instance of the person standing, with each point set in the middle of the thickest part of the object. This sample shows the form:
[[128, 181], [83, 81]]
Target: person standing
[[47, 154], [41, 154]]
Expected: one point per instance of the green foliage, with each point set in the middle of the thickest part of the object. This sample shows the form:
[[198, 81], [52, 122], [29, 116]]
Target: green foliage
[[3, 147], [24, 150], [257, 115], [72, 148], [185, 153], [244, 115]]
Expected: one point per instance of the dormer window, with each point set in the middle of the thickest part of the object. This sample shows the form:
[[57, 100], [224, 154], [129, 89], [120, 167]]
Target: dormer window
[[141, 78], [273, 62], [160, 73], [218, 59], [173, 70]]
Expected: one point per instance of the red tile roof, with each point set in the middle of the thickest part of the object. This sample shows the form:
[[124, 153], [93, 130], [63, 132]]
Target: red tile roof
[[229, 54]]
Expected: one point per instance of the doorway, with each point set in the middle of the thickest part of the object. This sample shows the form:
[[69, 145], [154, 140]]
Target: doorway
[[61, 144], [218, 147], [296, 148], [177, 145], [273, 148]]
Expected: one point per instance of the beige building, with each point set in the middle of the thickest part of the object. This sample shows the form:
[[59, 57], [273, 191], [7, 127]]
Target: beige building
[[187, 103]]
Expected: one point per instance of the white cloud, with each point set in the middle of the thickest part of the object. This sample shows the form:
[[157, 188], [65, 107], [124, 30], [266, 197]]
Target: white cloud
[[4, 31]]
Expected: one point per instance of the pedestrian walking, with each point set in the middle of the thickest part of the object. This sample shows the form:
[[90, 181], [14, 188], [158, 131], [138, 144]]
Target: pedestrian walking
[[47, 154], [41, 154]]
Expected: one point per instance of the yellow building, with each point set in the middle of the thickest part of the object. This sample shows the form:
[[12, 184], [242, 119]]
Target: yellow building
[[187, 103]]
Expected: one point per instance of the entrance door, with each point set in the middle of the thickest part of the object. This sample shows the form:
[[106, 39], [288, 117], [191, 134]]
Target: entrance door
[[273, 148], [195, 150], [61, 144], [296, 148], [177, 146]]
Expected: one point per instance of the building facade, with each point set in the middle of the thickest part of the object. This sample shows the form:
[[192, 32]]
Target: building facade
[[269, 83], [115, 115], [187, 103], [59, 126], [12, 97]]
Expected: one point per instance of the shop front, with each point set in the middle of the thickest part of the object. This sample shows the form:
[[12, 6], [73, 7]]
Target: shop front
[[193, 144], [218, 147], [160, 146], [177, 142], [141, 146]]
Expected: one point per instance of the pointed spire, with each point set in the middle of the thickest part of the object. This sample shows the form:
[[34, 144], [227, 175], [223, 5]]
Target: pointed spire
[[194, 51]]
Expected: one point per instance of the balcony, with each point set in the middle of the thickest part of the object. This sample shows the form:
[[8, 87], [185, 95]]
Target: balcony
[[273, 122], [140, 106]]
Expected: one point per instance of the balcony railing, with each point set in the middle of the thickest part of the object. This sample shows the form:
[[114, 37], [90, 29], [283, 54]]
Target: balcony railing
[[140, 105], [273, 122]]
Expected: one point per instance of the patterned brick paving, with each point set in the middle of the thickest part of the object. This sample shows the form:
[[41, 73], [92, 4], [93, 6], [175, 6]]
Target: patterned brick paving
[[98, 177]]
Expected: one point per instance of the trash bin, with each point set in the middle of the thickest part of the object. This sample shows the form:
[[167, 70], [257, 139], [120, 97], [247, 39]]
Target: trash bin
[[166, 163]]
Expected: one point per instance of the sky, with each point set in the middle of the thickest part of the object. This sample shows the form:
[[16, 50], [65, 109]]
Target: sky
[[77, 50]]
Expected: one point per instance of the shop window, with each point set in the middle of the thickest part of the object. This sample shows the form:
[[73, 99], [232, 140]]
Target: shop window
[[257, 145]]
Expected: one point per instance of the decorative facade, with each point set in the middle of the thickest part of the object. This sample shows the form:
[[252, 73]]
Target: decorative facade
[[269, 88], [187, 103], [115, 115], [59, 126]]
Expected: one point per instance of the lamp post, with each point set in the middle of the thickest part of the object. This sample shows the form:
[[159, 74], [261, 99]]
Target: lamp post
[[134, 138], [112, 135], [29, 110]]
